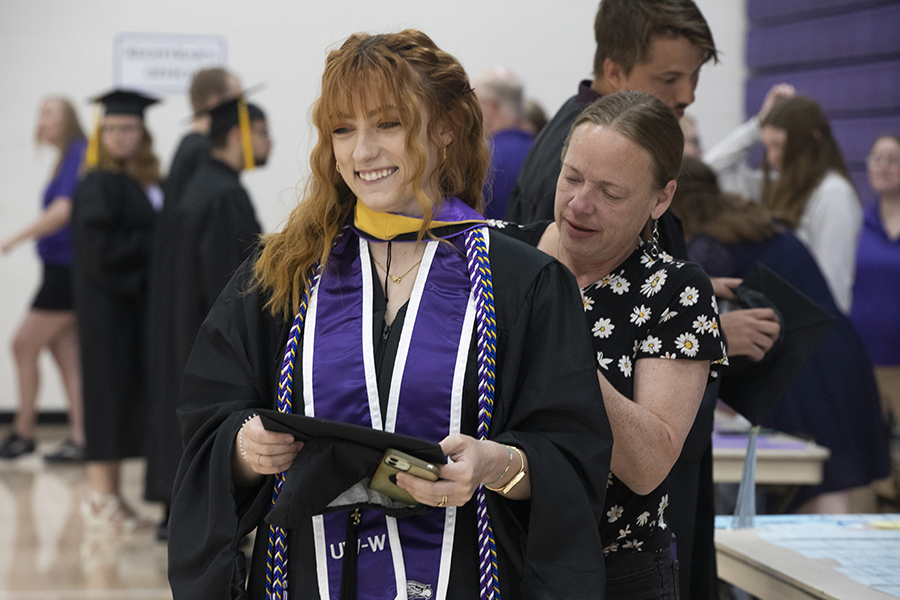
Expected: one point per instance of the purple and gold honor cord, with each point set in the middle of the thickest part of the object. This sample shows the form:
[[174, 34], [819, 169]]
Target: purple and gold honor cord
[[480, 276], [276, 562]]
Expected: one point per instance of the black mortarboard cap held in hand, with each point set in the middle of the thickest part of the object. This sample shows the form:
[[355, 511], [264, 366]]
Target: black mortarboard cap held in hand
[[753, 389], [334, 458]]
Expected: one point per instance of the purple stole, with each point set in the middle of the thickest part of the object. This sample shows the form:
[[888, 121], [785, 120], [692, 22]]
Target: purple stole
[[398, 558]]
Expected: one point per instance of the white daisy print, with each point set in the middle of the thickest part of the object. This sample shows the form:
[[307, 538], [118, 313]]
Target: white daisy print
[[643, 518], [715, 305], [604, 281], [588, 302], [625, 365], [609, 479], [603, 328], [624, 532], [701, 324], [713, 327], [689, 296], [667, 314], [651, 345], [603, 362], [619, 285], [633, 544], [654, 283], [666, 257], [670, 355], [663, 505], [640, 315], [614, 513], [647, 260], [687, 343], [611, 548]]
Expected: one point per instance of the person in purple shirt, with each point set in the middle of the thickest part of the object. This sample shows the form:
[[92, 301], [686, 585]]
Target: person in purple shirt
[[876, 292], [50, 323], [500, 95]]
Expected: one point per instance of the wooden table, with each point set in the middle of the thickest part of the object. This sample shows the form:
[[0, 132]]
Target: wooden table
[[772, 572], [781, 459]]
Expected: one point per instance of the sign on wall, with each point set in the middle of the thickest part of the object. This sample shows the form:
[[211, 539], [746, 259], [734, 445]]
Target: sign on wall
[[164, 63]]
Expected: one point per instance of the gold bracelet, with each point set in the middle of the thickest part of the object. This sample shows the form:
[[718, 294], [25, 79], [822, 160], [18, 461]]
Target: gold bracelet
[[509, 462], [515, 480]]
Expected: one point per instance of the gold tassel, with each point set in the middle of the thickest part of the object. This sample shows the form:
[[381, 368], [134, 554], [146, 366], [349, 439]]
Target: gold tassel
[[244, 122], [92, 155]]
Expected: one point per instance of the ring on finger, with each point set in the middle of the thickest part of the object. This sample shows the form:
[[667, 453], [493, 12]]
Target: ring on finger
[[443, 501]]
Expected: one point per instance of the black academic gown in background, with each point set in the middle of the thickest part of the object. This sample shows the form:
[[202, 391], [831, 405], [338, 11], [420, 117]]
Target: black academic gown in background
[[112, 225], [211, 234], [547, 402], [192, 151]]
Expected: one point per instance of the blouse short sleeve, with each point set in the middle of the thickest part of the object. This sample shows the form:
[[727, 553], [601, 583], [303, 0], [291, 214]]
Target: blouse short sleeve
[[652, 306]]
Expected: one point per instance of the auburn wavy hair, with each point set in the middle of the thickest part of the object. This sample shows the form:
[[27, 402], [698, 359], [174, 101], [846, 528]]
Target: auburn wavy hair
[[405, 70], [143, 166], [810, 151]]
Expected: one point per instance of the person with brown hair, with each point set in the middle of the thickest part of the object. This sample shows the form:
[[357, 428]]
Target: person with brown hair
[[804, 181], [209, 87], [877, 287], [655, 325], [651, 46], [833, 399], [386, 303], [50, 323], [112, 224]]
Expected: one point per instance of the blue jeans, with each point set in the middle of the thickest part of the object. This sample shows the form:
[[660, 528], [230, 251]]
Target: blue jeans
[[642, 576]]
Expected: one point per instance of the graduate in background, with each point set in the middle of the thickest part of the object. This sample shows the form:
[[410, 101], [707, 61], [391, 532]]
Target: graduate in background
[[114, 209], [209, 88], [213, 229]]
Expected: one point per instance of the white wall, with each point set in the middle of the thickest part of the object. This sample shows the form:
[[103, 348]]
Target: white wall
[[57, 46]]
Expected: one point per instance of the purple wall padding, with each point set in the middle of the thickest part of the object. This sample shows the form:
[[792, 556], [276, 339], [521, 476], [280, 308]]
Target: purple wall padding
[[862, 89], [853, 36], [767, 10], [856, 136]]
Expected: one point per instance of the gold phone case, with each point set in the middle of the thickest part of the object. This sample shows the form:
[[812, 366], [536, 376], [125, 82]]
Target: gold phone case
[[394, 462]]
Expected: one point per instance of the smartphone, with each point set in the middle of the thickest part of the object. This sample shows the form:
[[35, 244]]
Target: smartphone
[[385, 478]]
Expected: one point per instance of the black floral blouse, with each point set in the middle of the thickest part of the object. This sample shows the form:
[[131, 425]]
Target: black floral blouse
[[648, 307]]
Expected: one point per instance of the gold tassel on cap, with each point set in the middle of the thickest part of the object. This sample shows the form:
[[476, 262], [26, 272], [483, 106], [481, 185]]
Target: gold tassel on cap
[[92, 155], [244, 122]]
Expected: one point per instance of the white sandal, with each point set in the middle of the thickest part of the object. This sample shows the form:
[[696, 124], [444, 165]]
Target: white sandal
[[108, 512]]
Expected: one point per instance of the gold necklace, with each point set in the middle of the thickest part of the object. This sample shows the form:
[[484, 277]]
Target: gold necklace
[[396, 278]]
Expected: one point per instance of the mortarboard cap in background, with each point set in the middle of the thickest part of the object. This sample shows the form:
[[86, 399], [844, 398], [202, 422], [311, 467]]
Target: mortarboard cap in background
[[753, 389], [335, 457], [116, 102], [236, 111], [125, 102]]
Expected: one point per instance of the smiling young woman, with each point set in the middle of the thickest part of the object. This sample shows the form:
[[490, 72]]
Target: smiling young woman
[[389, 305]]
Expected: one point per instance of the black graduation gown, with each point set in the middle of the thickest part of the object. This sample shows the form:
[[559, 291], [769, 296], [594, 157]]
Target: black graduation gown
[[112, 224], [212, 232], [192, 151], [547, 402]]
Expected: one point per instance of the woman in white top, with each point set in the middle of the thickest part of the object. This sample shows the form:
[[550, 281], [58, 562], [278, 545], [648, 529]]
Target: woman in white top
[[804, 182]]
